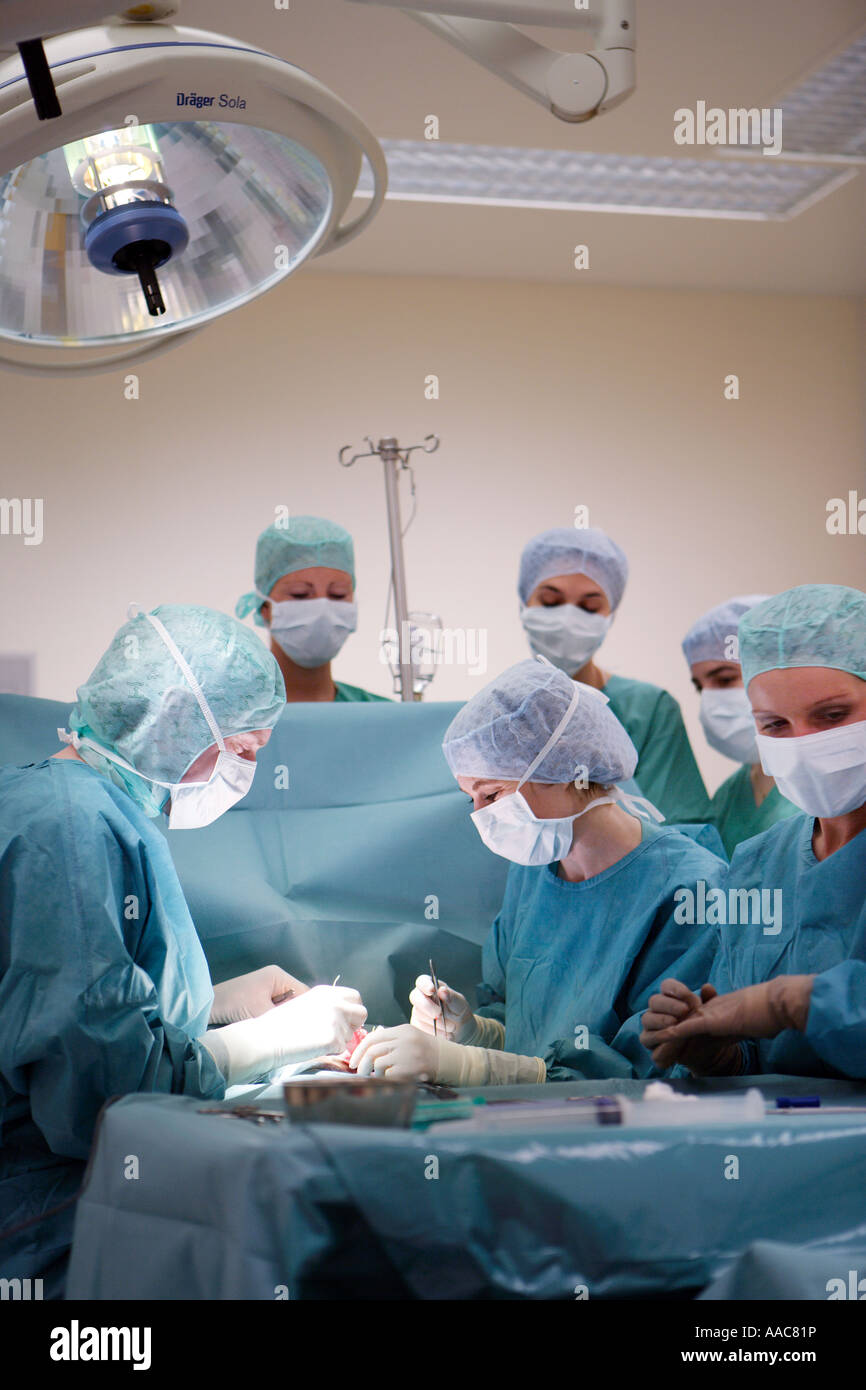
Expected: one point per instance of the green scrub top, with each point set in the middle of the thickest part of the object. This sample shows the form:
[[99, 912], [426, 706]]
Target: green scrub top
[[819, 929], [591, 953], [104, 990], [737, 817], [354, 694], [666, 773]]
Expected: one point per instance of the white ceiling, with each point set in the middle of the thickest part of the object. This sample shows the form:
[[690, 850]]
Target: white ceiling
[[740, 53]]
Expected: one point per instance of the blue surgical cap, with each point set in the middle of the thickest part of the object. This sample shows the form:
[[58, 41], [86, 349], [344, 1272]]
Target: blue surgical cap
[[709, 639], [305, 542], [138, 704], [812, 625], [505, 726], [567, 550]]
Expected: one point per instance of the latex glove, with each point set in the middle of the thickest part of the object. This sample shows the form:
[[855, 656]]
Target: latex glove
[[427, 1015], [704, 1056], [248, 996], [320, 1021], [406, 1054], [758, 1011], [403, 1053]]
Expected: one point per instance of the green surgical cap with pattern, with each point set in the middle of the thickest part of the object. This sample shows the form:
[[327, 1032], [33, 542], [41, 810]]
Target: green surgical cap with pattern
[[138, 703], [812, 625], [304, 542]]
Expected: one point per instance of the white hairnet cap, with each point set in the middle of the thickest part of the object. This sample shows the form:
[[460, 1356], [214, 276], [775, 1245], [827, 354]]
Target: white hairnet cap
[[569, 550], [709, 639], [504, 727]]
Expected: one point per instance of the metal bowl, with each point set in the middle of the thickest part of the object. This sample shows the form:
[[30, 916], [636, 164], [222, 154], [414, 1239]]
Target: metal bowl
[[350, 1100]]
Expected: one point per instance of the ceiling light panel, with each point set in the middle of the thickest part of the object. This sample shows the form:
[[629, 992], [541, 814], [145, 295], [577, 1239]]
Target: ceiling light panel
[[826, 114], [747, 187]]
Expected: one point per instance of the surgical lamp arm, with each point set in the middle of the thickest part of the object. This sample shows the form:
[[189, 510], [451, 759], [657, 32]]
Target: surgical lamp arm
[[574, 86]]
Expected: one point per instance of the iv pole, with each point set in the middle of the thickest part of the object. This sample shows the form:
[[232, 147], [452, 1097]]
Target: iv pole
[[393, 459]]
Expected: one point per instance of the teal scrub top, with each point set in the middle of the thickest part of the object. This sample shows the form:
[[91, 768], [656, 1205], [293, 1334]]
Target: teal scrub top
[[104, 989], [354, 694], [569, 967], [737, 817], [822, 931], [666, 773]]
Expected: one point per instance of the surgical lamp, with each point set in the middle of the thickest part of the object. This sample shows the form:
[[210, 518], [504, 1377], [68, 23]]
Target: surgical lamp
[[186, 174], [153, 177]]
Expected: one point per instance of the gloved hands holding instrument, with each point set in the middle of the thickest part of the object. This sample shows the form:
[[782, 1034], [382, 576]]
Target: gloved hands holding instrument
[[320, 1021], [703, 1032], [444, 1015], [248, 996]]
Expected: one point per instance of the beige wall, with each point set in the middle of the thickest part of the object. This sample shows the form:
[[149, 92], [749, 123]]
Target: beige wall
[[551, 398]]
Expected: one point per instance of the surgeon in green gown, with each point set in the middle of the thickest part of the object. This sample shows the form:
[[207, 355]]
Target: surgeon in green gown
[[589, 925], [788, 994], [748, 801], [305, 595], [571, 583], [104, 985]]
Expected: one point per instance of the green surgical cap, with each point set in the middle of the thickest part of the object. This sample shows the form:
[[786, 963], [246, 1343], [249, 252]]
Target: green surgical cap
[[305, 542], [138, 704], [812, 625]]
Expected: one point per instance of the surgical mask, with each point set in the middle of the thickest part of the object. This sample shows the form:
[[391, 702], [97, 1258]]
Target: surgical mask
[[726, 719], [200, 803], [566, 635], [824, 774], [312, 630], [193, 804], [510, 827]]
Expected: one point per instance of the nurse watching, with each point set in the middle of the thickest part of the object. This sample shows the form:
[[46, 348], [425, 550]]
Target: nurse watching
[[104, 986], [587, 929], [305, 595], [791, 997], [570, 585], [748, 801]]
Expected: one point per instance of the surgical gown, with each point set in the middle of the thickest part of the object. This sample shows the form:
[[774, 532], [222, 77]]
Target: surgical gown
[[666, 771], [734, 812], [104, 988], [354, 694], [823, 932], [570, 966]]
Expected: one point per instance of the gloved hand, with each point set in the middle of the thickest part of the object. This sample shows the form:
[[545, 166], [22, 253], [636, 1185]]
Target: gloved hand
[[402, 1054], [427, 1015], [702, 1055], [718, 1020], [248, 996], [406, 1054], [320, 1021]]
